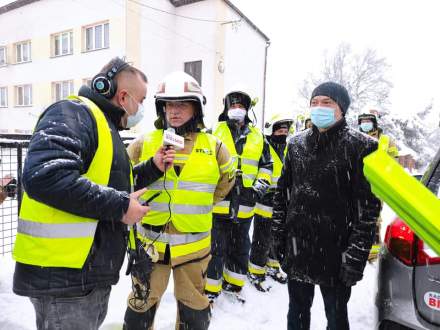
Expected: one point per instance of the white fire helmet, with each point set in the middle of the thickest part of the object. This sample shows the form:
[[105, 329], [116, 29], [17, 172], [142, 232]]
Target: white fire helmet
[[179, 86], [278, 118]]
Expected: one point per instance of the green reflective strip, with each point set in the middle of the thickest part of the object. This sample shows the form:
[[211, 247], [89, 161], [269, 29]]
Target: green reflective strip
[[255, 269], [234, 278], [158, 185], [181, 208], [213, 285], [197, 186], [56, 230], [248, 161]]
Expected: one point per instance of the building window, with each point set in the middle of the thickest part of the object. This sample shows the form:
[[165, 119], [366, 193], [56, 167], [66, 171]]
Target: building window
[[23, 52], [2, 56], [3, 97], [96, 36], [62, 43], [194, 69], [23, 95], [61, 90]]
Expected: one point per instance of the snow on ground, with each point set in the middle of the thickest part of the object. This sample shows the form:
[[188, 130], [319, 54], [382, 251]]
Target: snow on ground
[[261, 310]]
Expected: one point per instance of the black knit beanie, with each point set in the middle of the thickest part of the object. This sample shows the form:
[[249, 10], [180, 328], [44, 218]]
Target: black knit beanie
[[336, 92]]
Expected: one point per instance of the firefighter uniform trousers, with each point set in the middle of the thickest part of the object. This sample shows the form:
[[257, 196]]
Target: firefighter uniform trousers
[[230, 253], [189, 275]]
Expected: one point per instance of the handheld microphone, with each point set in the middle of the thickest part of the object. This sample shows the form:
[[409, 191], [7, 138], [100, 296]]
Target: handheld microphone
[[171, 139]]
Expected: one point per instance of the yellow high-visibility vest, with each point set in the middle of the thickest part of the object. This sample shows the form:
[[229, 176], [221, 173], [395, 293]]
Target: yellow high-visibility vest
[[49, 237], [192, 191], [250, 156], [277, 166]]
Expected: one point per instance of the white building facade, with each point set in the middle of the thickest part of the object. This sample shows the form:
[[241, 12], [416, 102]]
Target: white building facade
[[49, 48]]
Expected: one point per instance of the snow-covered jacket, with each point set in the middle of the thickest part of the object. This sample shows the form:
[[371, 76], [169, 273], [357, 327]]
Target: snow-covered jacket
[[60, 151], [324, 210]]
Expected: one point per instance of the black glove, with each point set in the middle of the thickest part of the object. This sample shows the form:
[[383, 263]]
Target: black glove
[[260, 187], [349, 275]]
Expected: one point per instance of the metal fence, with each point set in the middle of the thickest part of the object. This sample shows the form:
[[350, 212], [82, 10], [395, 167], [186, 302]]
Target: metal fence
[[13, 150], [12, 153]]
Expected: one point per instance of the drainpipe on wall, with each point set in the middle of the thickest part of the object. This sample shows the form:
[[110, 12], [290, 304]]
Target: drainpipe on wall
[[264, 84]]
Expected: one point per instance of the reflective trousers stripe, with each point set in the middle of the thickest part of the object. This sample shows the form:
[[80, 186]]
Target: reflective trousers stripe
[[213, 285], [56, 230], [234, 278], [197, 186], [273, 263], [181, 208], [255, 269], [243, 211], [263, 210]]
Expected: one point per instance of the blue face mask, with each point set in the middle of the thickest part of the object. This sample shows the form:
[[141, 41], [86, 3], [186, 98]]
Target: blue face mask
[[367, 127], [322, 117]]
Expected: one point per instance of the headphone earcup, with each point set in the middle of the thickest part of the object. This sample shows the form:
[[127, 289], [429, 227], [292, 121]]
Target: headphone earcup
[[102, 85]]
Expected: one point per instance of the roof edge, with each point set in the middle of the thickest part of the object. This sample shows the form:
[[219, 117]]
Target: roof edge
[[15, 5], [239, 12]]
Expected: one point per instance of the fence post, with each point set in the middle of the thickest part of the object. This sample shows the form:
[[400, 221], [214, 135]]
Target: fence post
[[19, 175]]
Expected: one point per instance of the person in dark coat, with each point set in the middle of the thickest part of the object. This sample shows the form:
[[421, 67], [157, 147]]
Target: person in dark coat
[[324, 211], [67, 294]]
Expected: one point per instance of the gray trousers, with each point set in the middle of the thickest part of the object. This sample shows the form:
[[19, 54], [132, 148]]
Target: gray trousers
[[72, 313]]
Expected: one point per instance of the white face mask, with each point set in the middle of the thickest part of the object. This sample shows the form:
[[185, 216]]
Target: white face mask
[[133, 120], [237, 114]]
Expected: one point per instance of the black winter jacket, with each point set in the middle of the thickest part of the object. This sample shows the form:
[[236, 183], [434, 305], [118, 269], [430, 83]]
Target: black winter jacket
[[324, 210], [60, 151]]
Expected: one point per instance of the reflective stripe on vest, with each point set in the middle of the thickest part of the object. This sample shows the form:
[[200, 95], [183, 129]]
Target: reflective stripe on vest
[[277, 166], [251, 154], [180, 244], [192, 191], [49, 237]]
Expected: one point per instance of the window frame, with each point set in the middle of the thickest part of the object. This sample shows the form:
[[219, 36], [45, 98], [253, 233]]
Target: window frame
[[5, 52], [90, 31], [30, 96], [189, 67], [61, 84], [5, 105], [59, 35], [20, 45]]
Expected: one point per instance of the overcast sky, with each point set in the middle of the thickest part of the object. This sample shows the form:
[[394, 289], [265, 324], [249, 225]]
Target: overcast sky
[[406, 33]]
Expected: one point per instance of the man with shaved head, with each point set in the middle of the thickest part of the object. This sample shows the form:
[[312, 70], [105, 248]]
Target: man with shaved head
[[78, 201]]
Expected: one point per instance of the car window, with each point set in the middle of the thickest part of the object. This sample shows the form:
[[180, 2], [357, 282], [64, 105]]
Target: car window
[[434, 183]]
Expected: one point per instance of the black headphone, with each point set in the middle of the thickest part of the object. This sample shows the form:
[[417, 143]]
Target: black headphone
[[104, 83]]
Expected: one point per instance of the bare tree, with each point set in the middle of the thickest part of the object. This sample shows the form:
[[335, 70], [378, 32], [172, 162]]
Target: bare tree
[[364, 76]]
